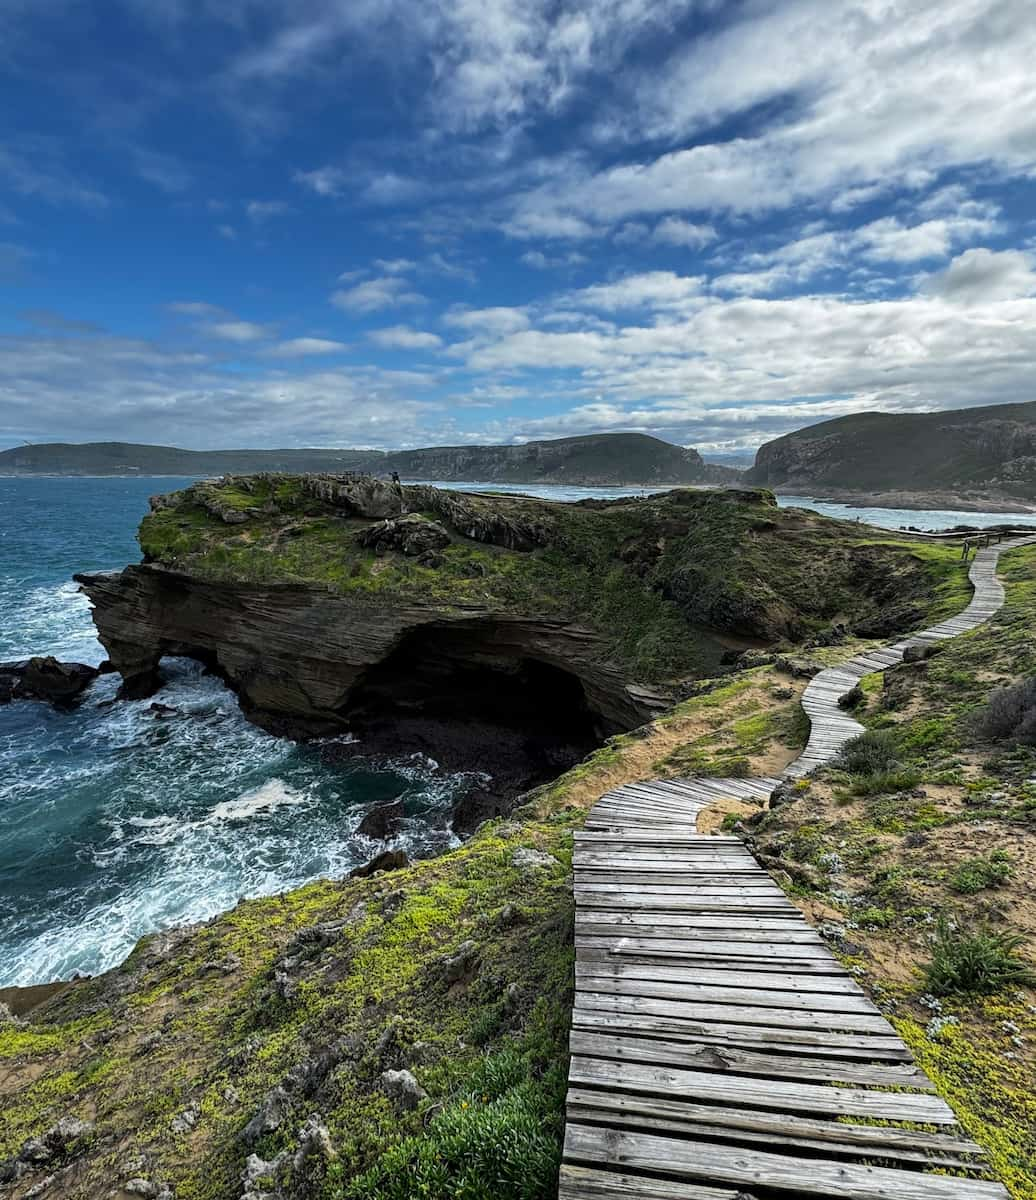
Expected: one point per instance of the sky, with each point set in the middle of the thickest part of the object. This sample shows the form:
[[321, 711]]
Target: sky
[[377, 223]]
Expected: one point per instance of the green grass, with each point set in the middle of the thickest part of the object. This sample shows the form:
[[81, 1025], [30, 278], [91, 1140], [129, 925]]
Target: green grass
[[976, 961], [977, 874]]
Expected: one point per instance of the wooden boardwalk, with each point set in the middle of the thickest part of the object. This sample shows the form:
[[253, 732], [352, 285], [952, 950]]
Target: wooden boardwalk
[[719, 1050]]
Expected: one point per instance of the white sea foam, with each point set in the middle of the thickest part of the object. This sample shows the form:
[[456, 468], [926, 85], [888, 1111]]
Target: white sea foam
[[274, 793]]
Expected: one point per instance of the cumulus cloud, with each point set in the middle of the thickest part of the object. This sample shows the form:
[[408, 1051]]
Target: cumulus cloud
[[325, 181], [674, 231], [303, 347], [870, 100], [372, 295], [178, 398], [402, 337], [237, 331], [982, 276]]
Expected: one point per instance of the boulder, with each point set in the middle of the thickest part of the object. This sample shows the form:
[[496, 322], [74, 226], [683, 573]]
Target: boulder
[[361, 495], [388, 860], [799, 668], [412, 535], [403, 1088], [55, 1143], [269, 1116], [528, 860], [45, 678], [459, 965], [783, 793]]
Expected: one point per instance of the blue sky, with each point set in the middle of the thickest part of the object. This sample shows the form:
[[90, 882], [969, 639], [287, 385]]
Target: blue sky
[[376, 223]]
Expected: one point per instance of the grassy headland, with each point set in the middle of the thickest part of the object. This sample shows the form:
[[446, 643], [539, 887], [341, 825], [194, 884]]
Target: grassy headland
[[275, 1030]]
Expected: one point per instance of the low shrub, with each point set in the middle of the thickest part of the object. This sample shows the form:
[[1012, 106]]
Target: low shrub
[[499, 1140], [1009, 715], [872, 753], [977, 961], [977, 874]]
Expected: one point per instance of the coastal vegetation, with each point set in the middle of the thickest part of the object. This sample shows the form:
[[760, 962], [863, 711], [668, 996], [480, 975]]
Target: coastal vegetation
[[405, 1034]]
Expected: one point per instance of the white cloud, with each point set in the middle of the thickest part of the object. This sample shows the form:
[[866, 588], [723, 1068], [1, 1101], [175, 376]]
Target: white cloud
[[375, 294], [302, 347], [871, 93], [36, 167], [491, 322], [656, 289], [228, 232], [395, 266], [402, 337], [259, 211], [325, 181], [195, 308], [981, 276], [236, 331], [674, 231], [546, 262]]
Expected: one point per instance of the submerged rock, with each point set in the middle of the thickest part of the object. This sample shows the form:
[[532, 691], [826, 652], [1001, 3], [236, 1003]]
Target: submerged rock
[[45, 678], [383, 821]]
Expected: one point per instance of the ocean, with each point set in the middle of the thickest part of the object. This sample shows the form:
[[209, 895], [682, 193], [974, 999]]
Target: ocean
[[116, 821]]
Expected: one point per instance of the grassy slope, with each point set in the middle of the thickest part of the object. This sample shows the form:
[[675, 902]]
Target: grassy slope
[[651, 576], [494, 1057], [219, 1015], [915, 843]]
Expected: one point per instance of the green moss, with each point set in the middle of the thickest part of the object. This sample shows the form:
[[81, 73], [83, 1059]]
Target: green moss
[[976, 1069]]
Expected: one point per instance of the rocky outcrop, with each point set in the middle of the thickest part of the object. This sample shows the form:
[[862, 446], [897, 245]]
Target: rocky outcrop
[[412, 535], [296, 655], [45, 678], [961, 458]]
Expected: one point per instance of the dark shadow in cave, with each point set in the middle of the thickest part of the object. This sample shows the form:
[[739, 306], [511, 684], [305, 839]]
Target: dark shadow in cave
[[473, 697]]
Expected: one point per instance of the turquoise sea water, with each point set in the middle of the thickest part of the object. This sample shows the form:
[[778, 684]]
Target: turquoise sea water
[[115, 822]]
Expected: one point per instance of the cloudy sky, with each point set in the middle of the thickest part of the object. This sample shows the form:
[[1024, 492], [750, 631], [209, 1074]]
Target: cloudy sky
[[382, 223]]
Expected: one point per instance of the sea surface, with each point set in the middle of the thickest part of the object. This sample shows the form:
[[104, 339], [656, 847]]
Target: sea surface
[[116, 821]]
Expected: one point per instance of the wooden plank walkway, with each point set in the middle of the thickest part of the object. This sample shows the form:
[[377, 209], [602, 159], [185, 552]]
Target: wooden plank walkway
[[719, 1050]]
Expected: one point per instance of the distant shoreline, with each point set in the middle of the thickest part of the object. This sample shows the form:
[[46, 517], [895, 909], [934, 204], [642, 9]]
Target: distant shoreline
[[915, 501]]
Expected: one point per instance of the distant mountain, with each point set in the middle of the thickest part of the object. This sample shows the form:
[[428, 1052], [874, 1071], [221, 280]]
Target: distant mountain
[[970, 454], [598, 459]]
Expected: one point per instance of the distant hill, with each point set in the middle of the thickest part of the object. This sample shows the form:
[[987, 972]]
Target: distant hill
[[595, 460], [970, 454]]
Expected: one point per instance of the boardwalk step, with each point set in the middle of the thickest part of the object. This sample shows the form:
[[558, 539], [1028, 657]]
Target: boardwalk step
[[718, 1047]]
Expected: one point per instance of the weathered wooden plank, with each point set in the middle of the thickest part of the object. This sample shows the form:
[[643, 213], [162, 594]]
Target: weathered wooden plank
[[785, 1065], [710, 1122], [744, 1168], [609, 966], [690, 1010], [869, 1046], [688, 987], [587, 1183]]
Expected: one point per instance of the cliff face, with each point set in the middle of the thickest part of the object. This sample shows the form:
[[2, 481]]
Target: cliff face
[[973, 452], [297, 655], [597, 459], [496, 634]]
